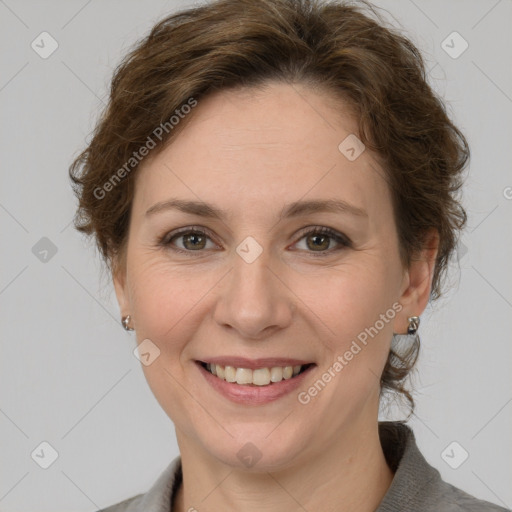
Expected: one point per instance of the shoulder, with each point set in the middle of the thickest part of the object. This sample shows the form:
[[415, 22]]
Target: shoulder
[[456, 500], [417, 485], [156, 499], [128, 505]]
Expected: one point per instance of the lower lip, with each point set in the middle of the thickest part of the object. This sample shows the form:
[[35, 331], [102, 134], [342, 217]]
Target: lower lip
[[253, 395]]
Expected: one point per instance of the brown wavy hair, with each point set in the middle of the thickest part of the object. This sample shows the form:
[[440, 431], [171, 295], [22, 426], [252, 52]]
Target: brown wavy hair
[[343, 48]]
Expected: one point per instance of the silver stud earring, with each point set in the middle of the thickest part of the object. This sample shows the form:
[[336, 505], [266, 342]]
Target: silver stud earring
[[126, 321], [414, 323]]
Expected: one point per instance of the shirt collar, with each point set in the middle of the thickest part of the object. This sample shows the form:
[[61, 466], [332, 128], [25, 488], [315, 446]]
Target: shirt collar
[[414, 477]]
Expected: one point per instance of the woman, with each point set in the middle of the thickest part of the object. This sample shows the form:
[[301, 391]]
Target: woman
[[273, 186]]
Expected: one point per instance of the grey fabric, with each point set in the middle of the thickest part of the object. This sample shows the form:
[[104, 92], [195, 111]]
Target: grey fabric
[[416, 486]]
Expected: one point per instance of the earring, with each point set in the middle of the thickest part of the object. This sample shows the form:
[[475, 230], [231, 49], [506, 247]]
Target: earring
[[125, 321], [414, 323]]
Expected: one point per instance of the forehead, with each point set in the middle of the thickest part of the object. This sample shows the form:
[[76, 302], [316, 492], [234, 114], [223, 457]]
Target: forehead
[[264, 147]]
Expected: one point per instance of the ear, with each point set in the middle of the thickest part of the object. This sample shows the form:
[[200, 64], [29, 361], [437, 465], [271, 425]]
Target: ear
[[119, 280], [417, 282]]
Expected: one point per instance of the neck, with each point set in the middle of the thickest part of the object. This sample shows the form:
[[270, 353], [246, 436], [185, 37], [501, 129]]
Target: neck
[[350, 474]]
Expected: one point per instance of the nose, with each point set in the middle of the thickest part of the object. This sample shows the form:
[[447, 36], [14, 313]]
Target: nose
[[254, 299]]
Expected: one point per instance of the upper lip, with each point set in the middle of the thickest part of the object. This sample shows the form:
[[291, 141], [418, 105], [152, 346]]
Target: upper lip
[[253, 364]]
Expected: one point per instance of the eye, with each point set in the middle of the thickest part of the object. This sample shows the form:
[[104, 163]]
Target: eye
[[321, 239], [192, 239]]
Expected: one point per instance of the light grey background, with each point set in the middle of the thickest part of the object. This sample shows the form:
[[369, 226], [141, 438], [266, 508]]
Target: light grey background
[[68, 374]]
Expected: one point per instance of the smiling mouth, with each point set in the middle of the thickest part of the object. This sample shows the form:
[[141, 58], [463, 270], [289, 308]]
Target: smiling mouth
[[256, 377]]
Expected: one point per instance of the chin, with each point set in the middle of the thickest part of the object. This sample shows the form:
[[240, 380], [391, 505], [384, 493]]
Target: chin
[[253, 449]]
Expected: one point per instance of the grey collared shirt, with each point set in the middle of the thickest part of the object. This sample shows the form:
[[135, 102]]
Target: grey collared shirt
[[416, 486]]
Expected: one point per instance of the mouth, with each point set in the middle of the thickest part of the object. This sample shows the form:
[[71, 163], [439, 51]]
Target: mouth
[[255, 377]]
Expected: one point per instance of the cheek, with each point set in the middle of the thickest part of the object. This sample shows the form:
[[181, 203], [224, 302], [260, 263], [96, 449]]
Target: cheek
[[357, 312], [355, 305], [166, 299], [350, 299]]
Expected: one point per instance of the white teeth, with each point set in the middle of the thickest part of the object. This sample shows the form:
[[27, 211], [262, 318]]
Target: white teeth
[[230, 374], [261, 376], [276, 374], [258, 377], [243, 376], [287, 372]]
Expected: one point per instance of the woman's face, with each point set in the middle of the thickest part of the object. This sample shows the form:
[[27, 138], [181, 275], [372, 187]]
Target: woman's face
[[256, 282]]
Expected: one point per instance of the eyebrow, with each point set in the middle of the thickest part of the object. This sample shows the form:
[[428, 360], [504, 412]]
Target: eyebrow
[[294, 209]]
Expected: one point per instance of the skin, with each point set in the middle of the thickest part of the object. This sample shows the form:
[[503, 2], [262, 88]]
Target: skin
[[250, 152]]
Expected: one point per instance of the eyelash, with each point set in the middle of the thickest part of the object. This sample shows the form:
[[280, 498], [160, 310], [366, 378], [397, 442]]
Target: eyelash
[[344, 241]]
